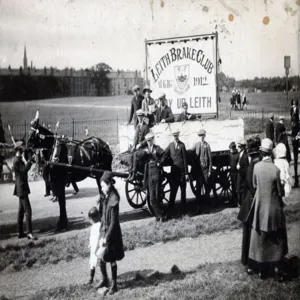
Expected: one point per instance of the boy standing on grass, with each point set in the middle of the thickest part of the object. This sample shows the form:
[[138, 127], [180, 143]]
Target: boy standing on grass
[[94, 217]]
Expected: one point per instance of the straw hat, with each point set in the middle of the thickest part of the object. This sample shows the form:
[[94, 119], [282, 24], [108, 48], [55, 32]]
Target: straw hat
[[266, 146], [175, 132]]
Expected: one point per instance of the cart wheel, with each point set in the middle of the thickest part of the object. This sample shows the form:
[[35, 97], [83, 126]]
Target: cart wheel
[[223, 187], [165, 191], [135, 193]]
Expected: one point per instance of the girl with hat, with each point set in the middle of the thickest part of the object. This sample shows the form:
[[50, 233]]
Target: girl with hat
[[268, 241], [111, 242], [254, 156]]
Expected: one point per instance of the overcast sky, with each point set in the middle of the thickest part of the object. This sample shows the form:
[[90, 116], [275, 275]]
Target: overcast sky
[[81, 33]]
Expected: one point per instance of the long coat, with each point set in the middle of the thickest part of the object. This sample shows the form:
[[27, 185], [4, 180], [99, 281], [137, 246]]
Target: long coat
[[279, 133], [164, 113], [270, 130], [295, 121], [179, 160], [242, 172], [136, 104], [268, 243], [110, 227], [21, 173]]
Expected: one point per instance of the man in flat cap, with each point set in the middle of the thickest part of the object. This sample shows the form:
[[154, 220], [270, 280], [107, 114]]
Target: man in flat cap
[[204, 162], [242, 167], [270, 128], [179, 172], [136, 104], [22, 190], [185, 116], [148, 105], [281, 137], [141, 130], [154, 156], [163, 112]]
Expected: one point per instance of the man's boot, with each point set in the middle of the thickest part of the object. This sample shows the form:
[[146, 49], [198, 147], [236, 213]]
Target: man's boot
[[92, 274], [113, 289], [104, 281]]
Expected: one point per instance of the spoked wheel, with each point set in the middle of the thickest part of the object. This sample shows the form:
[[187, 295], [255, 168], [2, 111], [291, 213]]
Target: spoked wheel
[[223, 185], [135, 193], [193, 184], [164, 193]]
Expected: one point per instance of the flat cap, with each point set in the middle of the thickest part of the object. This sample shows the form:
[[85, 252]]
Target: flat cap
[[136, 87], [201, 132], [162, 96], [175, 132], [241, 141], [147, 88], [232, 145], [149, 136]]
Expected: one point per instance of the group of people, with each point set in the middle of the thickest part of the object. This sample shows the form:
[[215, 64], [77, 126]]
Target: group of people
[[238, 101]]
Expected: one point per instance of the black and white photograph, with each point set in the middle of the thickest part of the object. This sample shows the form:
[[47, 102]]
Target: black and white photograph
[[149, 149]]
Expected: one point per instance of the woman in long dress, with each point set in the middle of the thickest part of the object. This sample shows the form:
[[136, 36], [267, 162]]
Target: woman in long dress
[[268, 242]]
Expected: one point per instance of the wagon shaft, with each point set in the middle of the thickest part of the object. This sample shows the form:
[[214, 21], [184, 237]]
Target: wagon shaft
[[88, 169]]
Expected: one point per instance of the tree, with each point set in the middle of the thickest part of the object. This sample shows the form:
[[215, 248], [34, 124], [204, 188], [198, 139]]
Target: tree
[[99, 77], [2, 135]]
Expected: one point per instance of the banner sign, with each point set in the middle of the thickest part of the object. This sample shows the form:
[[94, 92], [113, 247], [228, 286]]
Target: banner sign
[[219, 134], [185, 72]]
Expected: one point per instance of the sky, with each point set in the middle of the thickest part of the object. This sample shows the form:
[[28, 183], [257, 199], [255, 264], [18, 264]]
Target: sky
[[82, 33]]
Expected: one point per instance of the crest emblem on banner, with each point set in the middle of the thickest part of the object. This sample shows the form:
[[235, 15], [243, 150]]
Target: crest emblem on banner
[[182, 75]]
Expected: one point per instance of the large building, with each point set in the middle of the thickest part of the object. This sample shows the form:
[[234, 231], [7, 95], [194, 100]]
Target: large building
[[80, 82]]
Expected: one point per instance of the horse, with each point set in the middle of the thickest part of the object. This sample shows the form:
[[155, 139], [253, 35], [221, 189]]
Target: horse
[[92, 152]]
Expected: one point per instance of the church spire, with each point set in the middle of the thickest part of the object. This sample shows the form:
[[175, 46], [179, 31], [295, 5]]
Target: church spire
[[25, 59]]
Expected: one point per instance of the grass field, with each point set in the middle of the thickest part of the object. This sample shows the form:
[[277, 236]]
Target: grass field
[[102, 115]]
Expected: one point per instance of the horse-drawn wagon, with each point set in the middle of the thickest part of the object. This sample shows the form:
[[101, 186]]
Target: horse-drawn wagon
[[219, 135]]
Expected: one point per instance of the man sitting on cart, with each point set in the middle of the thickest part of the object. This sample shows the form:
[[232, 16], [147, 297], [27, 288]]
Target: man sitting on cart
[[185, 116], [163, 112], [141, 130]]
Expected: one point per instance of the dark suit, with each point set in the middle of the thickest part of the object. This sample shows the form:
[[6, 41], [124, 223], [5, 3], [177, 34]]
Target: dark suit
[[295, 129], [152, 178], [178, 171], [270, 130], [204, 163], [294, 121], [136, 104], [22, 191], [242, 175], [233, 160], [164, 113]]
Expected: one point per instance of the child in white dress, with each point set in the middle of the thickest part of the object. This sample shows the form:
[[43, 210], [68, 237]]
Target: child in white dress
[[282, 164], [94, 218]]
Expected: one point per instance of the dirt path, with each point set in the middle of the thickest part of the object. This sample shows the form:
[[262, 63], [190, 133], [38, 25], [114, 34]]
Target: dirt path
[[187, 254]]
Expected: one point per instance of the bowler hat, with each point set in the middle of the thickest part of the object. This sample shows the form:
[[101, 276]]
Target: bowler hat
[[266, 145], [175, 132], [147, 88], [253, 146], [201, 132], [136, 87], [18, 145], [149, 136], [107, 177], [162, 96], [139, 112]]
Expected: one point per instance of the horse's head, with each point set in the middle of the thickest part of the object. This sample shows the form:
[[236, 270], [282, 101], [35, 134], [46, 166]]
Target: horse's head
[[39, 136], [60, 151]]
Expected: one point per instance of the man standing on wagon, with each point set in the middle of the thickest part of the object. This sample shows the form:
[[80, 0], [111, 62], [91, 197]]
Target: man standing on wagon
[[203, 155], [179, 172], [164, 113], [136, 104], [148, 105]]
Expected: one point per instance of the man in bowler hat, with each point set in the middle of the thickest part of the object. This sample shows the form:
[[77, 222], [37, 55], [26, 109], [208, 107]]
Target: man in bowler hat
[[22, 190]]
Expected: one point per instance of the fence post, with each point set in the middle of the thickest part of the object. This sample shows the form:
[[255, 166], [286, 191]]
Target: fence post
[[262, 119], [73, 128], [25, 124]]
